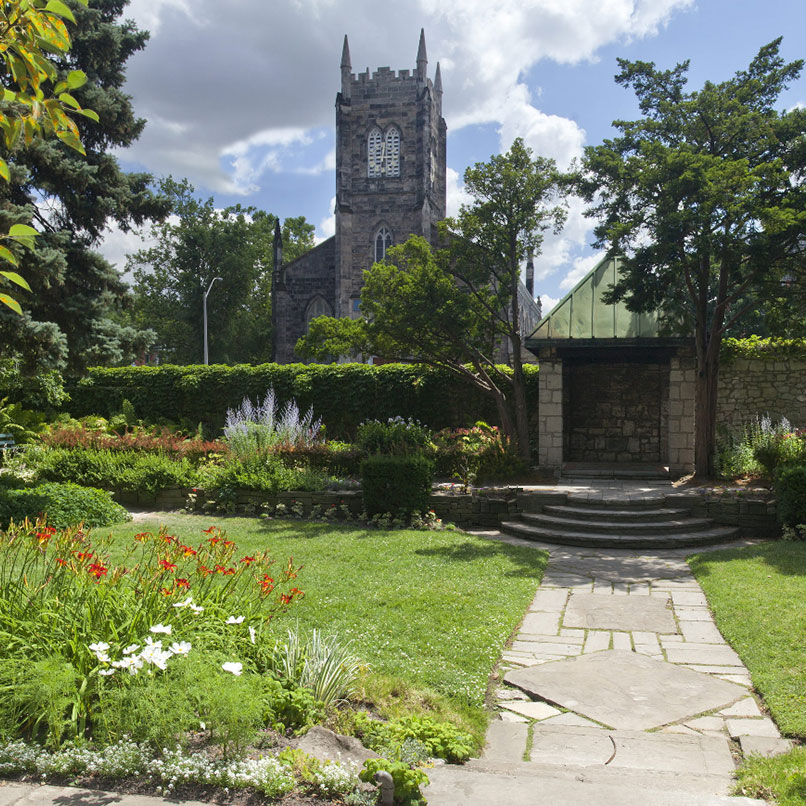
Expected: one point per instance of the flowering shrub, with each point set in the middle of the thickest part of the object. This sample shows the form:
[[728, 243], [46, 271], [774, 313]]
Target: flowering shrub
[[147, 440], [760, 448], [254, 428], [480, 451], [63, 602]]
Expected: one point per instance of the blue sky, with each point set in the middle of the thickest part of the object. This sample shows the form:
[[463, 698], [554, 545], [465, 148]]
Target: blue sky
[[239, 96]]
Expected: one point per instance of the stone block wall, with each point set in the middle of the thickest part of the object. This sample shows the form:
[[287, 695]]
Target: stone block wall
[[550, 414], [749, 387], [682, 374]]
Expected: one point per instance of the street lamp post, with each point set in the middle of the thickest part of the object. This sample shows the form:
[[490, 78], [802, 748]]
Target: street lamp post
[[204, 306]]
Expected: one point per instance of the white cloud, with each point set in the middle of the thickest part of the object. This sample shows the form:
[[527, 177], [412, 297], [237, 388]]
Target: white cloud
[[581, 267], [455, 193], [547, 303], [327, 226], [223, 90]]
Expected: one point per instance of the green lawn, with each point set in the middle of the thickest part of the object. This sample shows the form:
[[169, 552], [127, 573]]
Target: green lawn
[[429, 611], [758, 597]]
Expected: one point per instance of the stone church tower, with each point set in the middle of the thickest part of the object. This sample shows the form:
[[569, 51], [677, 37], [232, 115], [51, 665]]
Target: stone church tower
[[390, 183]]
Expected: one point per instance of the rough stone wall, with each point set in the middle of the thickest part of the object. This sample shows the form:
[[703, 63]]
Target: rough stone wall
[[682, 374], [615, 412], [550, 413], [301, 282], [410, 203], [749, 387]]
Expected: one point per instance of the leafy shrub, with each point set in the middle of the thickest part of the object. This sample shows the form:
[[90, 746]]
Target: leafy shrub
[[265, 473], [795, 533], [254, 428], [397, 484], [334, 458], [397, 436], [790, 490], [344, 394], [136, 472], [63, 504]]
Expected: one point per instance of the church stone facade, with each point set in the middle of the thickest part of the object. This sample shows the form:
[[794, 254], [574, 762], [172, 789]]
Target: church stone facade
[[390, 183]]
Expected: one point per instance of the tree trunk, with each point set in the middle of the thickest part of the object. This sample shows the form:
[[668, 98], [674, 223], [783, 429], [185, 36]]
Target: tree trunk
[[519, 399], [505, 415], [705, 398]]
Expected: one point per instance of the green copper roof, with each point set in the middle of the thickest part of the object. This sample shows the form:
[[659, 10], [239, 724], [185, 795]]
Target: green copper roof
[[583, 315]]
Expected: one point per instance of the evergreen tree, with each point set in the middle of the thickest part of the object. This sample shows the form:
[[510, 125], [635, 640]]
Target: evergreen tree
[[68, 320]]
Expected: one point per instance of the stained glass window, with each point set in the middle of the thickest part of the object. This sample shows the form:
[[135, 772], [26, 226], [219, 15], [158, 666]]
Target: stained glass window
[[318, 307], [392, 143]]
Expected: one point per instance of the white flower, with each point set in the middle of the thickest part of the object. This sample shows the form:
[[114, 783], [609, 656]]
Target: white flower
[[163, 628], [131, 663], [235, 668], [151, 642], [103, 657], [131, 648], [195, 608], [252, 634], [234, 620], [187, 602], [155, 655], [180, 648], [106, 672], [99, 647]]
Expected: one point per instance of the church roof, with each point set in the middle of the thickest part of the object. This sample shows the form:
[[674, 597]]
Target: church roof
[[582, 314]]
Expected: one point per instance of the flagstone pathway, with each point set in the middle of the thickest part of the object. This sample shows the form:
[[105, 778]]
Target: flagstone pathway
[[617, 689]]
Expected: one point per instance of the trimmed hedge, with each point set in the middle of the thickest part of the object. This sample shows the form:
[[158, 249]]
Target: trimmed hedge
[[64, 504], [773, 349], [397, 484], [343, 395], [790, 490]]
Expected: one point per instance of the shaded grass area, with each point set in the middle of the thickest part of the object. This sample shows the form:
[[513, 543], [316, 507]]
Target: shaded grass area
[[429, 611], [758, 596]]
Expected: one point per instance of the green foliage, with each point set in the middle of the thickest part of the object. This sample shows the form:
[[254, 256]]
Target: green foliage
[[71, 319], [343, 395], [772, 349], [759, 449], [440, 739], [478, 452], [397, 484], [407, 781], [198, 243], [131, 471], [63, 504], [396, 436], [35, 697], [328, 338], [790, 490]]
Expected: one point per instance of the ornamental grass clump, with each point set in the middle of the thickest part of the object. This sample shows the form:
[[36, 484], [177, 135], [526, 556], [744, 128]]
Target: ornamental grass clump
[[69, 614], [255, 429]]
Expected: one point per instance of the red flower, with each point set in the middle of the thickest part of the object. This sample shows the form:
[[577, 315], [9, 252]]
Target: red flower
[[142, 536], [286, 599], [203, 569], [187, 551], [210, 530], [84, 555], [228, 543], [97, 570], [60, 561], [181, 583], [167, 592], [266, 584], [168, 566], [247, 560], [213, 540]]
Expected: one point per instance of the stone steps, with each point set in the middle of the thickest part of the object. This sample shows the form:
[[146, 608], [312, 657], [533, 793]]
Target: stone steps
[[623, 513], [706, 537], [640, 522], [635, 527]]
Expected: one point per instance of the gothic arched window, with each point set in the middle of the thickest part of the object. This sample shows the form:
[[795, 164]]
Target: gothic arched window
[[392, 149], [383, 241], [317, 307], [375, 153]]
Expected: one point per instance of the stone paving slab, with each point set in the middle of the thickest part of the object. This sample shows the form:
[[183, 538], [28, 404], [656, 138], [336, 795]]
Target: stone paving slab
[[506, 741], [15, 794], [602, 612], [625, 689], [764, 745], [752, 727]]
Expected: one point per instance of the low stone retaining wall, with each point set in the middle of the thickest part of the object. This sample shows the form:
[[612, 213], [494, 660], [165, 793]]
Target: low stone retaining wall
[[754, 513]]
